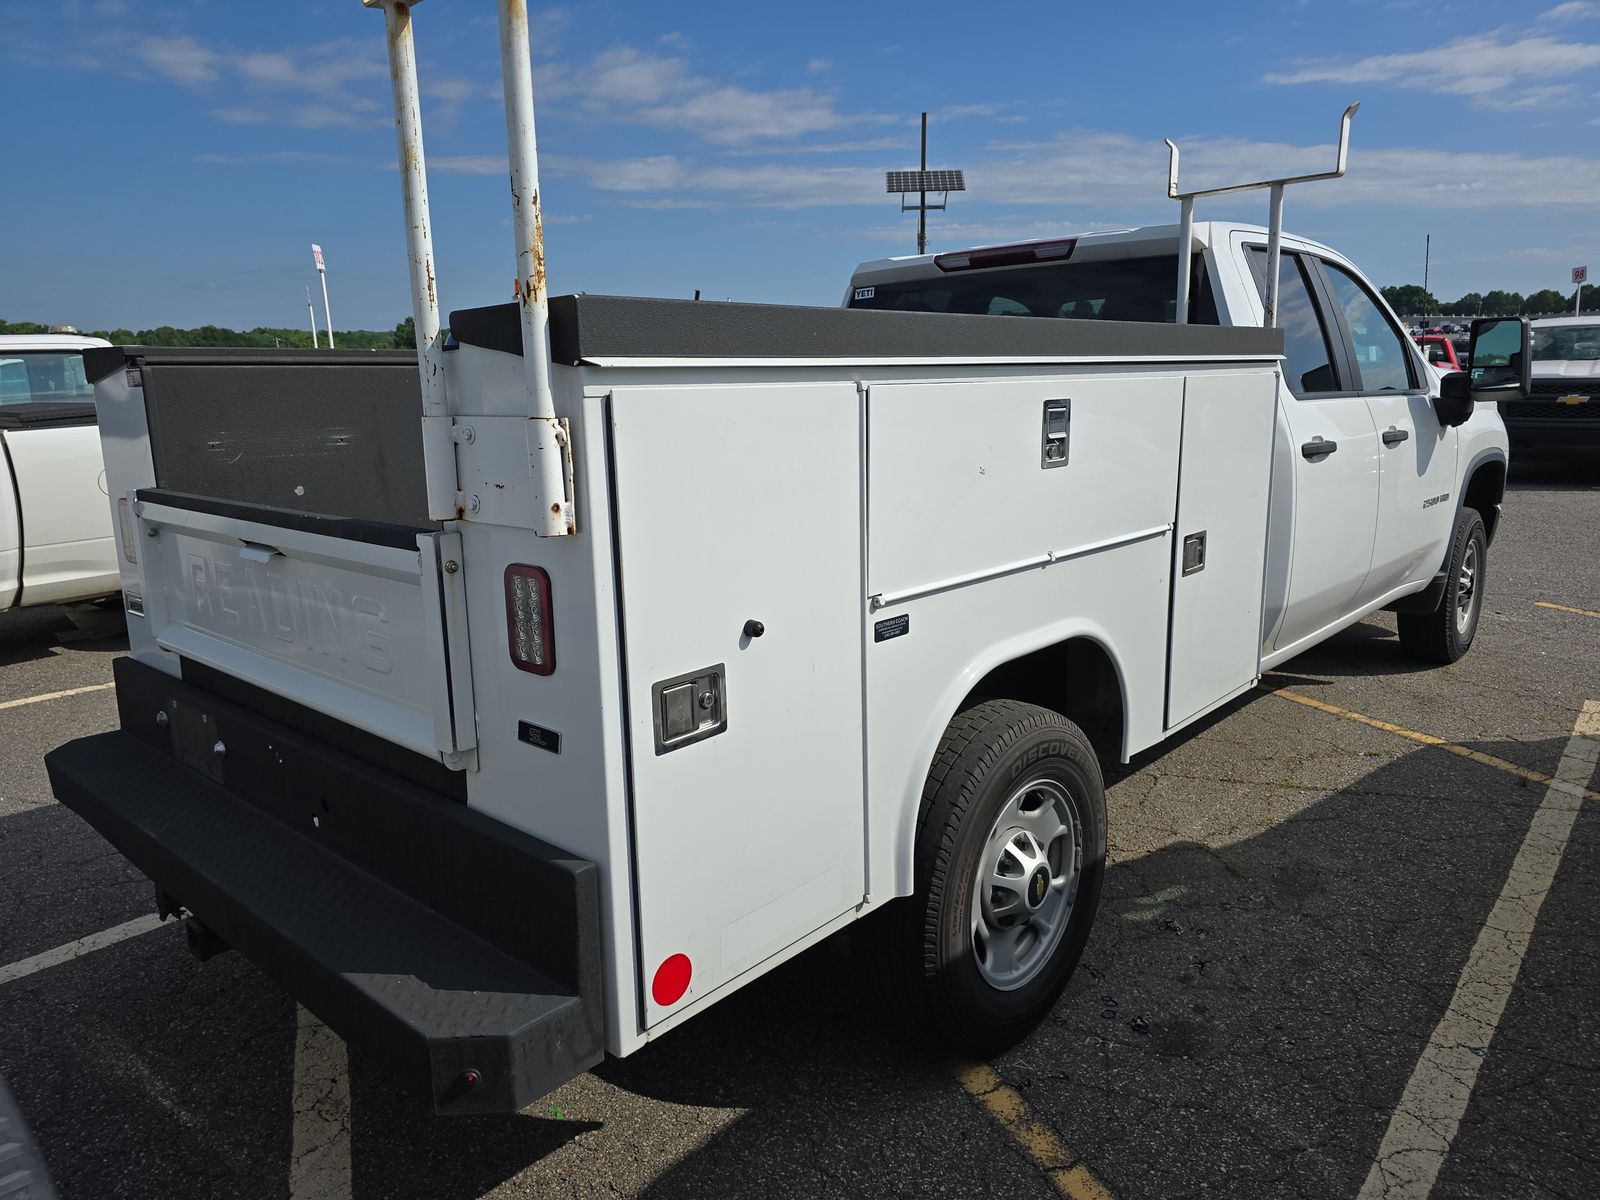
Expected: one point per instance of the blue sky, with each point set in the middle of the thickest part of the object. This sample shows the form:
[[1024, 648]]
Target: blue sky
[[170, 161]]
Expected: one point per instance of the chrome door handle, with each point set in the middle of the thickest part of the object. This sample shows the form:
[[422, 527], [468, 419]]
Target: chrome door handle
[[1393, 436], [1317, 449]]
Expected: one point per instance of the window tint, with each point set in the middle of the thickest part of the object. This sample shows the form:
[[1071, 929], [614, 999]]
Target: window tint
[[1124, 289], [43, 378], [1380, 349], [1309, 364]]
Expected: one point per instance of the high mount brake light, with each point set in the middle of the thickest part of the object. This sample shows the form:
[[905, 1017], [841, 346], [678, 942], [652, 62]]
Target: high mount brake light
[[530, 634], [1006, 256]]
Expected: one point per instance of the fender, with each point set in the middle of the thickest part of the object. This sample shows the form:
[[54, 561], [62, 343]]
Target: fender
[[903, 812], [1429, 598]]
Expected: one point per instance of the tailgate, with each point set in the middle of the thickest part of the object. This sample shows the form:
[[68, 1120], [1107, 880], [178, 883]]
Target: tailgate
[[361, 621]]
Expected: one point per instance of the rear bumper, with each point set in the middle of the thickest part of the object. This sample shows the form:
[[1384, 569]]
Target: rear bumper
[[443, 946]]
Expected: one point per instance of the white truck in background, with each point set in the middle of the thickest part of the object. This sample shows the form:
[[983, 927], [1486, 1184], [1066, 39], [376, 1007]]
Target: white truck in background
[[56, 545], [663, 640], [1385, 492]]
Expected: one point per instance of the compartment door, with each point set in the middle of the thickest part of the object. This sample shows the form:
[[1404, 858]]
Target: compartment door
[[1219, 553], [739, 504]]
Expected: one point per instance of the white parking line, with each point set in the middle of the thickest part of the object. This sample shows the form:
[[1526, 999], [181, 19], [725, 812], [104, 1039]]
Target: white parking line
[[85, 945], [1430, 1110], [93, 687], [319, 1146]]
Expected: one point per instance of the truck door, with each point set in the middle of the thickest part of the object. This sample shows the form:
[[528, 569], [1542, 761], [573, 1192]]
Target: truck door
[[1329, 444], [1418, 454], [738, 514]]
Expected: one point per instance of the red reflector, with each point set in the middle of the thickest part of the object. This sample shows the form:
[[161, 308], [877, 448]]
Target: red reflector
[[1006, 256], [530, 635], [672, 980]]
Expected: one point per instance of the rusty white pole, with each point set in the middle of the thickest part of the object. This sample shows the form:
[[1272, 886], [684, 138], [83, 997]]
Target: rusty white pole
[[438, 451], [547, 438]]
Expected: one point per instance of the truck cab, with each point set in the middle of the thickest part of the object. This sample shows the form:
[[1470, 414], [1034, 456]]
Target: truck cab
[[1372, 467], [55, 517]]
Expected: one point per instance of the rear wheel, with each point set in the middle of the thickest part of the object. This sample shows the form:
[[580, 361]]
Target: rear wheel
[[1445, 634], [1010, 855]]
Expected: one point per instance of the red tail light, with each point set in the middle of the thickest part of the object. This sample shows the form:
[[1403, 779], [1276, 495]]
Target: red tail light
[[1006, 256], [530, 636]]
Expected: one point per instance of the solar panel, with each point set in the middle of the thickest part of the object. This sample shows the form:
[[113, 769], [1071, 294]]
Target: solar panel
[[925, 181]]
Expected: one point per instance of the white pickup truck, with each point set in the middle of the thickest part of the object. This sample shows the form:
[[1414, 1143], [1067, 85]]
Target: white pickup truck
[[56, 545], [1383, 492], [663, 640]]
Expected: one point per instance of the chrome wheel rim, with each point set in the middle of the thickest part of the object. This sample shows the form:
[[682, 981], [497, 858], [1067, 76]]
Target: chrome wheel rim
[[1026, 884], [1467, 588]]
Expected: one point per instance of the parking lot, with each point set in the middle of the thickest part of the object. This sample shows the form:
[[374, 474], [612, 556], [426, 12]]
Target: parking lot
[[1303, 892]]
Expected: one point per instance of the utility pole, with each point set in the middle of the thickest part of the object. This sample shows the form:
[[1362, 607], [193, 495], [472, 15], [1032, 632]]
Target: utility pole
[[1427, 254], [312, 313], [922, 197]]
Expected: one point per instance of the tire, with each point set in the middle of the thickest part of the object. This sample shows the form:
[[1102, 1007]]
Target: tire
[[1445, 634], [979, 971]]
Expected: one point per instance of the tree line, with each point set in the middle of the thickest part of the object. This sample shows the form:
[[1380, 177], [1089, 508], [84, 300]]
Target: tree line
[[402, 337], [1413, 300]]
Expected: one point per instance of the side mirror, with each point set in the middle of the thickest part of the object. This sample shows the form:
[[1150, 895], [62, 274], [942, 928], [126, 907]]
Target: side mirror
[[1499, 363], [1499, 368]]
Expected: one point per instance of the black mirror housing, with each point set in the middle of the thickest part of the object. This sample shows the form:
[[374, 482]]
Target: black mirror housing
[[1455, 403], [1499, 362]]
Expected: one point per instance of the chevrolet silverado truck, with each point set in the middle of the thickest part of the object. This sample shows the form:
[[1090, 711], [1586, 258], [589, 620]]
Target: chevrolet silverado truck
[[1385, 491], [1565, 411], [56, 545], [512, 703]]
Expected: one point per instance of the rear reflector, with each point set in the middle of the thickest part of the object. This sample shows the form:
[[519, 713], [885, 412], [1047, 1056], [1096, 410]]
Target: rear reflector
[[130, 551], [530, 635], [1006, 256]]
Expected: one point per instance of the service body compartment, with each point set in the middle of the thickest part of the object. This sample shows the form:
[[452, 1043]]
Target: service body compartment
[[748, 820], [1219, 553]]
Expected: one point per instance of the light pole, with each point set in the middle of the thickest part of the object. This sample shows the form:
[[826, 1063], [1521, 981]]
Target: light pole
[[312, 313], [322, 274]]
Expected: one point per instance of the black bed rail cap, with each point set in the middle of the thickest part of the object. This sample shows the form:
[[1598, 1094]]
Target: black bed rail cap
[[586, 328]]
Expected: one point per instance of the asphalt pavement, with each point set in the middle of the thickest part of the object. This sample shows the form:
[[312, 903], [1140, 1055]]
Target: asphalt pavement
[[1297, 889]]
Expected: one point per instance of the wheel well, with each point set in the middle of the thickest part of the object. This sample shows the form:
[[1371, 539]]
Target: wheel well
[[1484, 492], [1075, 678]]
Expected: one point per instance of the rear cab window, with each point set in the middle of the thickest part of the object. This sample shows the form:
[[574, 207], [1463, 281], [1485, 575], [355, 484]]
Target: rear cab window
[[44, 387], [1124, 289]]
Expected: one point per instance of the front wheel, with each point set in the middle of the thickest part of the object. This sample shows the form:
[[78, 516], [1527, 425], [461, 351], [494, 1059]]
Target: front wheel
[[1010, 855], [1445, 634]]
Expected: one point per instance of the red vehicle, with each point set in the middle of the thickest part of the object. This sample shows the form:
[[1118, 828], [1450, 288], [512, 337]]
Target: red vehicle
[[1440, 351]]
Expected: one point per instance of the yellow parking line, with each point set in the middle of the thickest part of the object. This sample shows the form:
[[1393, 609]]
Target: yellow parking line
[[1582, 612], [1010, 1111], [1427, 739], [93, 687]]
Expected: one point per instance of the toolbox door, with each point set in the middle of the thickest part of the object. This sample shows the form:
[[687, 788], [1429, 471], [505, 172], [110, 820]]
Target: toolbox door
[[1219, 553], [738, 538]]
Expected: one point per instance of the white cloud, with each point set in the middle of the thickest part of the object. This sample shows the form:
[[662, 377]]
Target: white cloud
[[1103, 171], [1573, 10], [1490, 71], [179, 59], [634, 86]]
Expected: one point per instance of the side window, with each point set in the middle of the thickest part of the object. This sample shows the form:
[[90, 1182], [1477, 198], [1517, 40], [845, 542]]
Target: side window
[[1309, 363], [1380, 348]]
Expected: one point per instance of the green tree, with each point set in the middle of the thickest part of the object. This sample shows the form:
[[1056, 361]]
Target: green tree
[[1469, 305], [1410, 299], [1502, 304], [405, 334], [1547, 301]]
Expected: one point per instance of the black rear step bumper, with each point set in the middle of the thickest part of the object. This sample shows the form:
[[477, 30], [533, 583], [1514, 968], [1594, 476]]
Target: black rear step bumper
[[442, 945]]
